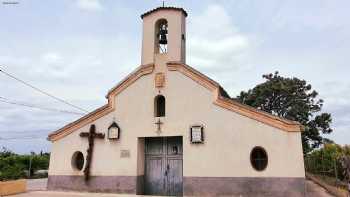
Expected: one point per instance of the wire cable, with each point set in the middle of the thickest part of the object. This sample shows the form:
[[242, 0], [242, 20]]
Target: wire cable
[[41, 91], [17, 132], [4, 100], [22, 138]]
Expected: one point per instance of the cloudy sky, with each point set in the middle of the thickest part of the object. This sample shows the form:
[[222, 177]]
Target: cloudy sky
[[78, 49]]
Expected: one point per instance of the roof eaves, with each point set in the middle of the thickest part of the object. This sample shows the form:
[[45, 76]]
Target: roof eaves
[[163, 8]]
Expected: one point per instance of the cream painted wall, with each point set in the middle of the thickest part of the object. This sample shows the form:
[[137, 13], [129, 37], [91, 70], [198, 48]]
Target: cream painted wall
[[229, 137]]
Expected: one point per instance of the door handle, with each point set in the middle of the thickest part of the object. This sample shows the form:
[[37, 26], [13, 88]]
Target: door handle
[[166, 170]]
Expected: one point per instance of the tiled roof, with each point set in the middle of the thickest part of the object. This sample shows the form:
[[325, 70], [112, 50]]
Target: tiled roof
[[163, 8]]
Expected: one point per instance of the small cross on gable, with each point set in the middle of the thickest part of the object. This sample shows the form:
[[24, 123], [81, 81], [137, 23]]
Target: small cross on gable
[[159, 123]]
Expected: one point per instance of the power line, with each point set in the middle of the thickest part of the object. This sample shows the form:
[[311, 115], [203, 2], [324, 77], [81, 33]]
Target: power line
[[4, 100], [16, 132], [22, 138], [41, 91], [16, 135]]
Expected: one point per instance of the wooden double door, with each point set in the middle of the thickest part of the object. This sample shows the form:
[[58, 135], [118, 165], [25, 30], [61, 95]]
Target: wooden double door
[[163, 166]]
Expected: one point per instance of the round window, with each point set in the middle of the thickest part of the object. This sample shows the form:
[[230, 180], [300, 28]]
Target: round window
[[258, 158], [78, 160]]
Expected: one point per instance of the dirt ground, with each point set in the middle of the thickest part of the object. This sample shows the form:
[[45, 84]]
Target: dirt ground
[[37, 187], [314, 190]]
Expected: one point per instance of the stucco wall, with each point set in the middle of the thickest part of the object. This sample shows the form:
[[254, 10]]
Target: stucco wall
[[229, 137]]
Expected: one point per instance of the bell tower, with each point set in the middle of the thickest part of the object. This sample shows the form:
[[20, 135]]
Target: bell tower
[[164, 35]]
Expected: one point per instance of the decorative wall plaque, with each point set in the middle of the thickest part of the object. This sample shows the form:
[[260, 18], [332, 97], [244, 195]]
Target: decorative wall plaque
[[113, 131], [160, 80], [197, 135], [124, 153]]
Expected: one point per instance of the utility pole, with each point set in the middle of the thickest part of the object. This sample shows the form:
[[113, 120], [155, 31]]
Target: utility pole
[[30, 164]]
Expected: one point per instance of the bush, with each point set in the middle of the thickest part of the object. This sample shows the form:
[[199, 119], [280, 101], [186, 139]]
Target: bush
[[12, 172], [14, 166], [327, 160]]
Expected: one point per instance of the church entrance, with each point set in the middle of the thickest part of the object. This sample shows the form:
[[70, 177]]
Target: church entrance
[[163, 166]]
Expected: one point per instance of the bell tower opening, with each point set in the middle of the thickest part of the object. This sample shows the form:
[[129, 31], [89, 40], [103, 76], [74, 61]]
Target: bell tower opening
[[161, 36]]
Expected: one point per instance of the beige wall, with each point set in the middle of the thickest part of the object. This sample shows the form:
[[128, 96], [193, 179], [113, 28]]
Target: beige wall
[[229, 137]]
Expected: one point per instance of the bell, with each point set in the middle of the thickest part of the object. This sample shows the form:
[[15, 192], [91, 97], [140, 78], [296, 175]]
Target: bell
[[163, 39], [163, 32]]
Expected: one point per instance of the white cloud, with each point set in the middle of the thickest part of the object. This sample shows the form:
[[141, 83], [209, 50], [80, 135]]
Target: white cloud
[[89, 5], [214, 39], [51, 57]]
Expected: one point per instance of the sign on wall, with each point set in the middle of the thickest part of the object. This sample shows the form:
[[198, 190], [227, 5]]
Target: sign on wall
[[124, 153], [159, 80], [113, 131], [197, 134]]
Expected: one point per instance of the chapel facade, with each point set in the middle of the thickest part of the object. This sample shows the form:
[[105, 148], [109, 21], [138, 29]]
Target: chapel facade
[[168, 129]]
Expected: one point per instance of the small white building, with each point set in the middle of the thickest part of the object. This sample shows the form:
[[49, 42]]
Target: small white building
[[168, 129]]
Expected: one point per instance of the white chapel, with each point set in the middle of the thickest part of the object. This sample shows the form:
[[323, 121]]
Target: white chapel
[[168, 129]]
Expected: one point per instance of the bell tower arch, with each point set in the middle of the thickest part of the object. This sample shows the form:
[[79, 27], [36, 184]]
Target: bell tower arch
[[164, 32], [161, 40]]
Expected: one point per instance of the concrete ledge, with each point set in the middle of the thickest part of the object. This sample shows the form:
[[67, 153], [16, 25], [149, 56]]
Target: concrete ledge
[[13, 187]]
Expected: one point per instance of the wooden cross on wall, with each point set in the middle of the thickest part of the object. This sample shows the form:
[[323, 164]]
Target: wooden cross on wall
[[91, 135]]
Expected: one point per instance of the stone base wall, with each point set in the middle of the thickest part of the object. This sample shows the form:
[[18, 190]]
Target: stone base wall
[[244, 186], [192, 186], [103, 184]]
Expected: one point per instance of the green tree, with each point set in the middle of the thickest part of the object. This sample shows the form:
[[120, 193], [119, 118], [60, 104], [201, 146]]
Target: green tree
[[4, 152], [294, 99]]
